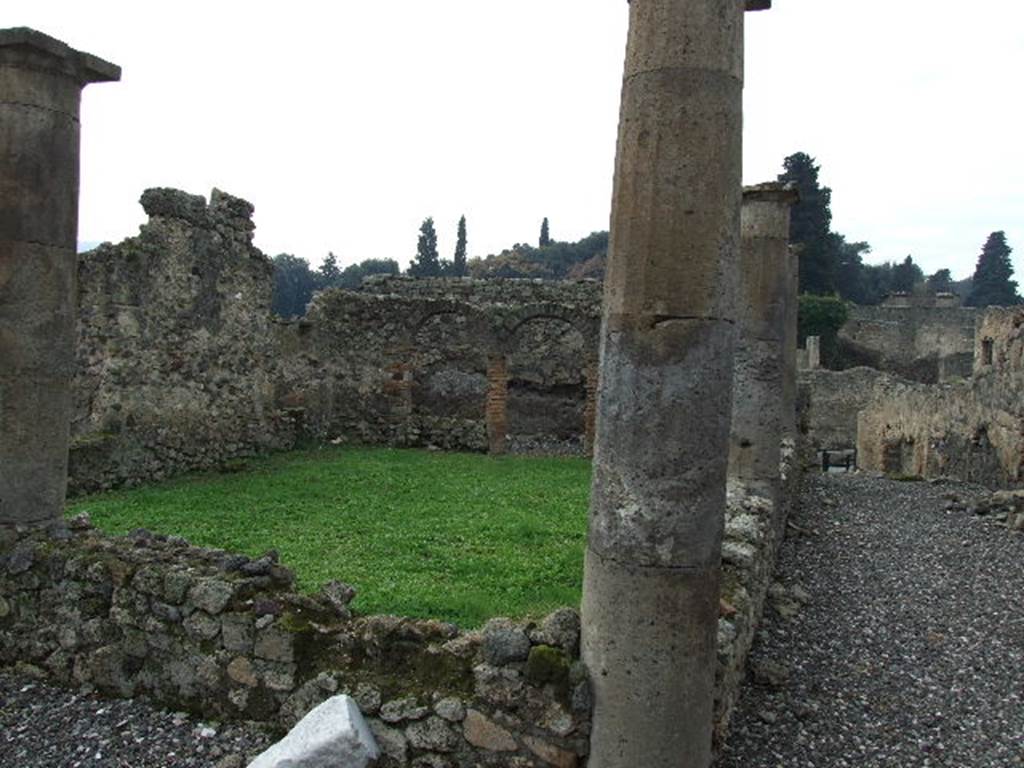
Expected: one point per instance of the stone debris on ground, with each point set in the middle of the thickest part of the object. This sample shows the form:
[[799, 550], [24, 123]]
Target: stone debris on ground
[[333, 735], [43, 726], [901, 639]]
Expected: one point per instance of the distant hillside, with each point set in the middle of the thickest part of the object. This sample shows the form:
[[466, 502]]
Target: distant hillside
[[555, 261]]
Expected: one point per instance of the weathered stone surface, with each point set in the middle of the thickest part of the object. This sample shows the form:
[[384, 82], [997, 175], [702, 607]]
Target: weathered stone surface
[[560, 628], [433, 733], [211, 595], [406, 708], [334, 735], [451, 709], [504, 643], [550, 754], [484, 733], [241, 671]]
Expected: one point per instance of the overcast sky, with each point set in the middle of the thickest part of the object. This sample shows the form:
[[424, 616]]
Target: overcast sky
[[347, 123]]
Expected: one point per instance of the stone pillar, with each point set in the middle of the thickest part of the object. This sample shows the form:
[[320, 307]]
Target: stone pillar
[[813, 353], [651, 575], [590, 377], [497, 403], [764, 276], [41, 80], [790, 341]]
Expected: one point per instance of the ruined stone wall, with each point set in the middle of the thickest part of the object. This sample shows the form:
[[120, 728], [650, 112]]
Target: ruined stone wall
[[182, 367], [831, 400], [921, 343], [175, 368], [227, 637], [973, 430]]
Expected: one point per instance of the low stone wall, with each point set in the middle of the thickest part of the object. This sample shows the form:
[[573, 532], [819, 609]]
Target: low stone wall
[[755, 527], [226, 636]]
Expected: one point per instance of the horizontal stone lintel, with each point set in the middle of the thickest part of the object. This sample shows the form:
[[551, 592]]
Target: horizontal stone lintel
[[86, 67]]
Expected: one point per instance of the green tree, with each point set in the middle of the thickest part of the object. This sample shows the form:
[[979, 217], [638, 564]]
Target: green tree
[[459, 260], [906, 276], [940, 282], [850, 275], [294, 283], [992, 285], [545, 233], [821, 316], [810, 225], [329, 275], [427, 262]]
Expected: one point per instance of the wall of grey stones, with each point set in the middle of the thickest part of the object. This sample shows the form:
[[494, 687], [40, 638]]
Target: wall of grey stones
[[928, 344], [227, 637], [972, 430], [182, 367], [175, 371]]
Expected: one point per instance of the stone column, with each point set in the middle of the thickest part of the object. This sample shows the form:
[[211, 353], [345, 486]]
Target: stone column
[[790, 341], [497, 403], [651, 576], [764, 276], [41, 80], [813, 353], [590, 378]]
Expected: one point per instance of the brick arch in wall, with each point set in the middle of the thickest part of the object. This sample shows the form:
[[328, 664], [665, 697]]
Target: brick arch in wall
[[542, 377]]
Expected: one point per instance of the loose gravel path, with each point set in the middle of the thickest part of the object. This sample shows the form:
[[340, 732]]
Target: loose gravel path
[[42, 726], [904, 644]]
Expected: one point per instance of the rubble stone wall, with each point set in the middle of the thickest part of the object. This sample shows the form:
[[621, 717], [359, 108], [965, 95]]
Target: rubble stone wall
[[831, 400], [181, 365], [972, 430], [226, 636], [920, 343]]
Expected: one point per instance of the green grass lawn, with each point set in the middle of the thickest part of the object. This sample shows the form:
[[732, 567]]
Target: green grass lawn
[[459, 537]]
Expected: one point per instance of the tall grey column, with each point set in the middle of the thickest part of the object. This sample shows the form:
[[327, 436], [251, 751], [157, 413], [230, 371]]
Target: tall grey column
[[651, 578], [757, 403], [41, 80]]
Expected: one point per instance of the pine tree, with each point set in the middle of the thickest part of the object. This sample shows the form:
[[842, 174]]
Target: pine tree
[[906, 275], [545, 233], [427, 262], [810, 225], [992, 285], [459, 261]]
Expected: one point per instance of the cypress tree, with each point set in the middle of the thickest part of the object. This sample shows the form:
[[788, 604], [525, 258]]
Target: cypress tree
[[811, 224], [992, 285], [459, 261], [545, 234], [427, 262]]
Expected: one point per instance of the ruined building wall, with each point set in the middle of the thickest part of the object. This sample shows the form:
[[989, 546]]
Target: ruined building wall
[[174, 364], [181, 365], [920, 343], [830, 402], [973, 430]]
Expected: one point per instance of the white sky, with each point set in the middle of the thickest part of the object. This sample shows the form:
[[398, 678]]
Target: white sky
[[346, 123]]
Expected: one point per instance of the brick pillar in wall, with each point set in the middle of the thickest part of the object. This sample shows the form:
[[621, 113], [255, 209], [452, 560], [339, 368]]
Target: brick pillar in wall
[[497, 403]]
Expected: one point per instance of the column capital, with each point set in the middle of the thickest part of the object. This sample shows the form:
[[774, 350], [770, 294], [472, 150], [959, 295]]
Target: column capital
[[21, 45]]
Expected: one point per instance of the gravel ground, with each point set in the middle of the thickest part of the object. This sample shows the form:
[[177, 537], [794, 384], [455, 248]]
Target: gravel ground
[[904, 642], [42, 726]]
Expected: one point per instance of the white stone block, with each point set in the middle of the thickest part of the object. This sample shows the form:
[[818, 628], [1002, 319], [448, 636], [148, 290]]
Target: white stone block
[[333, 735]]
